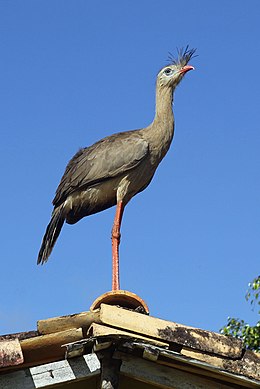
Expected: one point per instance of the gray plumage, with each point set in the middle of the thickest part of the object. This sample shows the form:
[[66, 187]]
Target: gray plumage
[[119, 166]]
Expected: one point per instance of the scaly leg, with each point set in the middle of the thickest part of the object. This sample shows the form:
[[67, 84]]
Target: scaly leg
[[115, 245]]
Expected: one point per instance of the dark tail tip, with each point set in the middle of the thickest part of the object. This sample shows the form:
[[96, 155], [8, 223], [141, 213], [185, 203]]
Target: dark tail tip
[[51, 235]]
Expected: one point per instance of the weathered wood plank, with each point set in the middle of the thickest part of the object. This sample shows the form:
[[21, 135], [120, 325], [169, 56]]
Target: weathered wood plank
[[171, 332], [101, 330], [213, 360], [209, 368], [46, 347], [62, 323], [10, 353], [52, 373], [248, 365], [65, 371], [166, 377], [19, 335], [228, 370]]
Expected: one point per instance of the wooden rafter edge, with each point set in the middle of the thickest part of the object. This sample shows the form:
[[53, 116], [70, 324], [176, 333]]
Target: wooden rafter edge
[[243, 371], [194, 338]]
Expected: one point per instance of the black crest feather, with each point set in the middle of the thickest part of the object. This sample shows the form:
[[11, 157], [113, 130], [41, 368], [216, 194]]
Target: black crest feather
[[184, 56]]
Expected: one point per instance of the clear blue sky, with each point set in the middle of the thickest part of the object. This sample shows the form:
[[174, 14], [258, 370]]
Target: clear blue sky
[[72, 72]]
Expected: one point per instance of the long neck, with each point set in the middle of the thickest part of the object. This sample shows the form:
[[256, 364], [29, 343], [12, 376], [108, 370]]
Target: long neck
[[164, 99], [162, 128]]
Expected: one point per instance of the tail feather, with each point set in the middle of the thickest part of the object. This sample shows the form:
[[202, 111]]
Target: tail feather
[[51, 235]]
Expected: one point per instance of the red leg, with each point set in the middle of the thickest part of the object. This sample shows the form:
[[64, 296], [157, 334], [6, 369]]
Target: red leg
[[115, 245]]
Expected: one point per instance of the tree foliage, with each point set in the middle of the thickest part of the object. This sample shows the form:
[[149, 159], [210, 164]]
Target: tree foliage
[[250, 335]]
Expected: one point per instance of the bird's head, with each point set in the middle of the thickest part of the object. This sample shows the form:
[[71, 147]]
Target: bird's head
[[171, 75]]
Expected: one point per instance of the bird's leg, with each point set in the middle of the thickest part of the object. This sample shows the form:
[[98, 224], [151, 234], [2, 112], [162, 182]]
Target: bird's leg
[[115, 245]]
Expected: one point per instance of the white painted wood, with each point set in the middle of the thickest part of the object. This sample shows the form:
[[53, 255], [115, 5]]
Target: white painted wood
[[64, 371], [53, 366], [92, 362], [52, 373]]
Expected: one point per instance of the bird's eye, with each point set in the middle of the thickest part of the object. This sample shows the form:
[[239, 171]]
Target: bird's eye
[[168, 71]]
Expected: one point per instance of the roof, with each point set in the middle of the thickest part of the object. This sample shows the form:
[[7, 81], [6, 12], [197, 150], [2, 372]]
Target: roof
[[137, 347]]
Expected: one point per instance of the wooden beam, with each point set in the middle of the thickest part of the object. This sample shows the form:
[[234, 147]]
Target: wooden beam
[[247, 376], [48, 347], [247, 366], [19, 335], [62, 323], [53, 373], [101, 330], [65, 371], [10, 353], [164, 330], [165, 377], [208, 371]]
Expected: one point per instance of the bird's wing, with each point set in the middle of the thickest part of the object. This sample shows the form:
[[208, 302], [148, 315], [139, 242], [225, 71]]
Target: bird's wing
[[107, 158]]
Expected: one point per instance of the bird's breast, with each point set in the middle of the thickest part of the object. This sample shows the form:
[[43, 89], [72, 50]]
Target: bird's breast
[[159, 136]]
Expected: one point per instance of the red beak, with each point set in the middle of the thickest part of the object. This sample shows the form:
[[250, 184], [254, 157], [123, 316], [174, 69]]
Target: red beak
[[186, 68]]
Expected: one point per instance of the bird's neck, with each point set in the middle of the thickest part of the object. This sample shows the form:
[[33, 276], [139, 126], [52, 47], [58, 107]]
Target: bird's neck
[[163, 108], [162, 128]]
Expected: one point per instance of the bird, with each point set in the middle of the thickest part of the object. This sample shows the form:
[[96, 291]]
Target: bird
[[117, 167]]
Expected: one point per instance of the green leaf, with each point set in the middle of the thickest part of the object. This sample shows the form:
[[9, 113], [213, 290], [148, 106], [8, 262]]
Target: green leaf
[[250, 335]]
